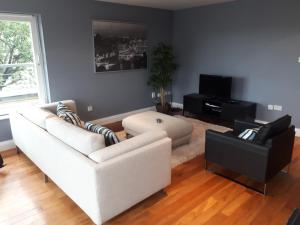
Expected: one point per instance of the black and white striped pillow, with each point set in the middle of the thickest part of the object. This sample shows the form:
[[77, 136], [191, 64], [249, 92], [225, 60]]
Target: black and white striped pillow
[[109, 136], [65, 113], [249, 134]]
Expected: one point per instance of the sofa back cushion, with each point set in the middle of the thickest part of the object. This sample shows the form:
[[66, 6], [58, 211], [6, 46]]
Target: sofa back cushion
[[52, 107], [274, 128], [78, 138], [37, 115]]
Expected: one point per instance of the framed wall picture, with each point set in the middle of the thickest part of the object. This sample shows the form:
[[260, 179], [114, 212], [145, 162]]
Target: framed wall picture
[[119, 46]]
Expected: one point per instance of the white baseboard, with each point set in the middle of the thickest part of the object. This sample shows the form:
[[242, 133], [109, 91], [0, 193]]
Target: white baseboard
[[6, 145], [261, 121], [297, 132], [177, 105], [119, 117]]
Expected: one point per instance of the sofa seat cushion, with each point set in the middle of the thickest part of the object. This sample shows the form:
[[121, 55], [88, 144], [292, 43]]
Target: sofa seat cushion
[[78, 138], [127, 146], [37, 115]]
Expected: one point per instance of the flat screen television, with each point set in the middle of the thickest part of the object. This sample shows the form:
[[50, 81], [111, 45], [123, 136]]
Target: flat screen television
[[215, 86]]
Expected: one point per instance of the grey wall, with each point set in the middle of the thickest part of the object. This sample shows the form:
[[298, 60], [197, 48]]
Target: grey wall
[[5, 133], [255, 41], [67, 32]]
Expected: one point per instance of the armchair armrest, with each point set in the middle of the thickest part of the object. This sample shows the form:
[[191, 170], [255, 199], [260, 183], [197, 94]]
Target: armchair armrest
[[237, 155], [240, 126]]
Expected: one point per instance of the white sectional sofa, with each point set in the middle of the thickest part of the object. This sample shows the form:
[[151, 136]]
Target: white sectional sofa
[[102, 181]]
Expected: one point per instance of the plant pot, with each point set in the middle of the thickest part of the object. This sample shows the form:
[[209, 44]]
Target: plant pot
[[166, 109]]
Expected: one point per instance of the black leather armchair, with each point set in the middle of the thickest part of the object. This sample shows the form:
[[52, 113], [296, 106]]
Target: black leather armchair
[[260, 162]]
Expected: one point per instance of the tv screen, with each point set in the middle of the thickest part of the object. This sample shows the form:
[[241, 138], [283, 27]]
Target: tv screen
[[215, 86]]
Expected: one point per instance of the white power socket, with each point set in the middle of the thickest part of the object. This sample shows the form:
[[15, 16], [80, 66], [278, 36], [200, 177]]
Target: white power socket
[[278, 107], [90, 108], [270, 107]]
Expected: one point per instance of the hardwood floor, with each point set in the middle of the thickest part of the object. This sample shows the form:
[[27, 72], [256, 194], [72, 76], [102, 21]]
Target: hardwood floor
[[195, 197]]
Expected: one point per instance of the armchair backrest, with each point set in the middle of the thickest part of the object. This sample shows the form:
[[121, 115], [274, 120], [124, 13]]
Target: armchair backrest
[[274, 128]]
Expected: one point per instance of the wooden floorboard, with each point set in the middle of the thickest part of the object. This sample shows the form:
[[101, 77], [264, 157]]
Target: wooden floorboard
[[195, 197]]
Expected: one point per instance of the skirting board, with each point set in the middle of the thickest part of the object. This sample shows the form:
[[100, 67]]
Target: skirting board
[[177, 105], [180, 105], [119, 117], [5, 145]]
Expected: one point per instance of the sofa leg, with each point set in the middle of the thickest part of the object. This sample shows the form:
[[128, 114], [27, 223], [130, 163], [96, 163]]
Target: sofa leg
[[265, 189], [287, 169], [205, 164], [46, 178], [18, 150]]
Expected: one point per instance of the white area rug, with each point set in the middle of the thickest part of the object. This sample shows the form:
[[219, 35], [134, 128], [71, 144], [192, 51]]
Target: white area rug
[[187, 152], [196, 146]]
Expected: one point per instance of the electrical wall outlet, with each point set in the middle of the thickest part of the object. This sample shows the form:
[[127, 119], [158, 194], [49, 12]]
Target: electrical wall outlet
[[278, 107], [299, 60], [153, 94], [270, 107], [90, 108]]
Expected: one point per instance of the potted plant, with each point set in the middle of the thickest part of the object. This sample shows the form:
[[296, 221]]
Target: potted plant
[[162, 69]]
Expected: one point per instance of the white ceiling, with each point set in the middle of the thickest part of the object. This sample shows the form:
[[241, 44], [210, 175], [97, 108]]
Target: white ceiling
[[168, 4]]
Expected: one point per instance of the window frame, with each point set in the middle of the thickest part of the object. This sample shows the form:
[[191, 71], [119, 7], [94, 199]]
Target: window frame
[[39, 59]]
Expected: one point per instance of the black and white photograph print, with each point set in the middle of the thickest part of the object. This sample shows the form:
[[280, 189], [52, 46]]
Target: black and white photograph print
[[119, 46]]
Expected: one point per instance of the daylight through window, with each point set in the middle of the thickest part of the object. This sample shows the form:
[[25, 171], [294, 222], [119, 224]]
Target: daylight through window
[[21, 75]]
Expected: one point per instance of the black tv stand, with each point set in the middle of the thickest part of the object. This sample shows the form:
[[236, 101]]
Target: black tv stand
[[219, 111]]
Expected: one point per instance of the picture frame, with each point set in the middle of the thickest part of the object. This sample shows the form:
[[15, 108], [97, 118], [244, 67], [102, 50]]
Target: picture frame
[[119, 46]]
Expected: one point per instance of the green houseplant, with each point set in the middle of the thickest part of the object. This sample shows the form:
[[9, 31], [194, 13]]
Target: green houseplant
[[162, 69]]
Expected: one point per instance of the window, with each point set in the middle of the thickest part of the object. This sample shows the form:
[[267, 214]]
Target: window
[[22, 80]]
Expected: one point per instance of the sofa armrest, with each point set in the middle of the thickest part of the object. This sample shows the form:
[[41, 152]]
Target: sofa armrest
[[129, 178], [128, 145], [240, 126]]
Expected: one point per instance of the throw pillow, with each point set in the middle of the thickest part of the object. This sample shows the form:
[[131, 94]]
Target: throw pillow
[[109, 136], [65, 113], [249, 134]]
